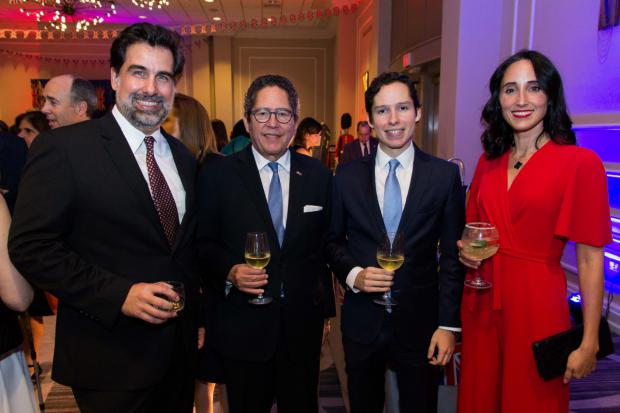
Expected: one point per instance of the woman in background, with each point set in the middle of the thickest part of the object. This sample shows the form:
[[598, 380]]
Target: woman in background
[[308, 136], [239, 139], [31, 124], [539, 190], [16, 393], [221, 135], [189, 122]]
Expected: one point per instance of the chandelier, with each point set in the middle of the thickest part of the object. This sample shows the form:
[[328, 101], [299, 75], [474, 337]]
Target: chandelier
[[150, 3], [61, 14]]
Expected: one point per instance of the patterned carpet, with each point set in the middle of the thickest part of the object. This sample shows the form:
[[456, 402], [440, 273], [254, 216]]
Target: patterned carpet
[[598, 393]]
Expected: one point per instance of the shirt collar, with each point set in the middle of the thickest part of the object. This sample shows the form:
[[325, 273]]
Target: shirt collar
[[134, 136], [283, 162], [405, 159]]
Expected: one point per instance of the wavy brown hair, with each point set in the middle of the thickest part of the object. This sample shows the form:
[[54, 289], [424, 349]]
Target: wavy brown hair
[[194, 126], [498, 137]]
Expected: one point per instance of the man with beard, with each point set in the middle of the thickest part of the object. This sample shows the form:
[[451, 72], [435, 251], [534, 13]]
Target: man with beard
[[68, 100], [104, 221]]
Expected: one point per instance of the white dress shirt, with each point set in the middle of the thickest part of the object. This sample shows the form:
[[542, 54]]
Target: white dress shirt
[[163, 157], [266, 174], [364, 147]]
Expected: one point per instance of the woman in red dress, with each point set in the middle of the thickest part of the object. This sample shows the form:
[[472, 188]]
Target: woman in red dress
[[539, 189]]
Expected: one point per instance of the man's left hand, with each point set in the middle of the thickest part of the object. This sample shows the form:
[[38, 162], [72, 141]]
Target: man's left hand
[[442, 342]]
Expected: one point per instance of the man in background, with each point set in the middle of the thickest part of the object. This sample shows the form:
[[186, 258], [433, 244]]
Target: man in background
[[68, 100], [362, 146]]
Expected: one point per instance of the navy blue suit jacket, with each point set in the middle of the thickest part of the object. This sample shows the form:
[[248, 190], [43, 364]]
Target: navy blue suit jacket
[[429, 285]]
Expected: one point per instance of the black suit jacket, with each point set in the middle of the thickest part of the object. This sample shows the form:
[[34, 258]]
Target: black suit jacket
[[428, 286], [231, 204], [85, 228], [13, 153], [353, 151]]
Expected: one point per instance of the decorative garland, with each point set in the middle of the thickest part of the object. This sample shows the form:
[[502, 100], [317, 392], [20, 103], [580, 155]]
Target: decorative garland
[[185, 30]]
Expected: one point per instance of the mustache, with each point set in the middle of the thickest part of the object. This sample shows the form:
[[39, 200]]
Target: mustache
[[147, 98]]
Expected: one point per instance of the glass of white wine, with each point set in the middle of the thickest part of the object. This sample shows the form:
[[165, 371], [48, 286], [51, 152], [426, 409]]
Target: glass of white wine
[[390, 256], [480, 241], [257, 255]]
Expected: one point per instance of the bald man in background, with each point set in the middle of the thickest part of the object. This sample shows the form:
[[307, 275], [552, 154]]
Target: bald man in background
[[68, 100]]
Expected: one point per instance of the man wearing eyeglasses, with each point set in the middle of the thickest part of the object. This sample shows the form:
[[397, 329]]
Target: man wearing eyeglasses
[[269, 351]]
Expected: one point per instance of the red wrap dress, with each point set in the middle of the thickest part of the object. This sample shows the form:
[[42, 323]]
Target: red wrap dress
[[559, 195]]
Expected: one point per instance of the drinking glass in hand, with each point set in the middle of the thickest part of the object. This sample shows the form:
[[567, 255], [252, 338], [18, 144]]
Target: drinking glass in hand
[[390, 256], [480, 241], [257, 255], [179, 288]]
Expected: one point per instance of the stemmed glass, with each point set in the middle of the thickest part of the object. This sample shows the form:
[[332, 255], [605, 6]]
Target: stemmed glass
[[390, 256], [480, 241], [257, 255]]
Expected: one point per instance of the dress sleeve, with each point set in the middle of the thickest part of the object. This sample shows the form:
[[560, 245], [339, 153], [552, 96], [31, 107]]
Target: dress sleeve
[[472, 193], [584, 213]]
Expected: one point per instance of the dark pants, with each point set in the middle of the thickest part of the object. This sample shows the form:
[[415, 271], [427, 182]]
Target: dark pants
[[175, 393], [252, 387], [366, 365]]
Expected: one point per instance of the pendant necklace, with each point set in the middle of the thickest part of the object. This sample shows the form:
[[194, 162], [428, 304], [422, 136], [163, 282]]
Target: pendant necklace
[[517, 165]]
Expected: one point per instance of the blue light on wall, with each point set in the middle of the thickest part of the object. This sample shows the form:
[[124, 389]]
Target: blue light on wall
[[605, 141]]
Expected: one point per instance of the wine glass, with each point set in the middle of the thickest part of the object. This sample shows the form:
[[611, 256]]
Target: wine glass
[[257, 256], [481, 241], [390, 256]]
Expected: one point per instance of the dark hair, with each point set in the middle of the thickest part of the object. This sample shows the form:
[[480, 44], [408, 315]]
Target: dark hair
[[84, 91], [345, 121], [221, 136], [271, 80], [194, 126], [307, 126], [14, 128], [153, 35], [361, 123], [385, 79], [498, 137], [4, 127], [37, 119], [239, 130]]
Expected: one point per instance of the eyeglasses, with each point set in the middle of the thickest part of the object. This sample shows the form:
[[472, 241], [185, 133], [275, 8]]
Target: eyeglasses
[[263, 115]]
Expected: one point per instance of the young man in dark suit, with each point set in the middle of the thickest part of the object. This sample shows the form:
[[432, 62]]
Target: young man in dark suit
[[270, 351], [399, 190], [362, 146], [104, 219]]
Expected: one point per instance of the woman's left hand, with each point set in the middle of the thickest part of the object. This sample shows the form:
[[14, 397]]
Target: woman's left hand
[[581, 363], [201, 337]]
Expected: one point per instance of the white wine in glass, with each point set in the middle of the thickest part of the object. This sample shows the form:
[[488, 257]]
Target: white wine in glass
[[390, 256], [257, 255], [480, 241]]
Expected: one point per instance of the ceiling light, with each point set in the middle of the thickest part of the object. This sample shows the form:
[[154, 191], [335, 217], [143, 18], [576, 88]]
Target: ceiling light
[[217, 19], [150, 3], [63, 14]]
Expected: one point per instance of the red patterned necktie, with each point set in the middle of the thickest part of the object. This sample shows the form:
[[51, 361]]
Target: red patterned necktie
[[162, 197]]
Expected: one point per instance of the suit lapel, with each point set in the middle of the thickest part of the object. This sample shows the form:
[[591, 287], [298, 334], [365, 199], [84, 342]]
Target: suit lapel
[[123, 158], [296, 185], [421, 179], [370, 189], [247, 169]]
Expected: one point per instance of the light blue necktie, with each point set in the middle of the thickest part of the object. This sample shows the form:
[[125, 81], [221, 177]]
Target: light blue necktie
[[392, 201], [275, 202]]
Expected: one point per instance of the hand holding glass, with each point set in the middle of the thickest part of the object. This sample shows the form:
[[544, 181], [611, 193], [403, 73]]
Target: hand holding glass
[[480, 241], [179, 288], [257, 255], [390, 256]]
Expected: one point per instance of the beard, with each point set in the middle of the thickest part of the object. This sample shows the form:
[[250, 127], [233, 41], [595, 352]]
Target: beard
[[143, 120]]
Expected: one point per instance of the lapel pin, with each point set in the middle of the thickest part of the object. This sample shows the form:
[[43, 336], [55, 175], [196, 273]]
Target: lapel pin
[[298, 173]]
